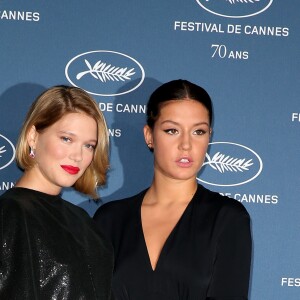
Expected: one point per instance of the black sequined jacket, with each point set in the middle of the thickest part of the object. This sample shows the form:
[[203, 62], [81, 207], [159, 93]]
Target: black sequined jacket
[[50, 249]]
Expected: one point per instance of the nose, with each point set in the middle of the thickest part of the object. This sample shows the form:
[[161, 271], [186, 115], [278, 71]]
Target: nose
[[76, 154], [185, 142]]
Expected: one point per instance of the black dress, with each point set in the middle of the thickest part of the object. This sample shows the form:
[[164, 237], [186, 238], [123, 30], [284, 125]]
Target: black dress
[[51, 249], [206, 256]]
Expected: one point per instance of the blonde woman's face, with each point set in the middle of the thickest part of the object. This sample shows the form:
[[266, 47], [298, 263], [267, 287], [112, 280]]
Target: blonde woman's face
[[63, 151]]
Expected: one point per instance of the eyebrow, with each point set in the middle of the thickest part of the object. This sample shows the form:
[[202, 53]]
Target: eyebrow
[[67, 132], [178, 124], [73, 134]]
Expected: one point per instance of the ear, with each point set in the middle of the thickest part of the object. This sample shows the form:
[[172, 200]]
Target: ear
[[148, 136], [32, 136]]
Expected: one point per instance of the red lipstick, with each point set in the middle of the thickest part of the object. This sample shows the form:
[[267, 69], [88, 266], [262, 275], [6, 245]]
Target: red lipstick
[[70, 169]]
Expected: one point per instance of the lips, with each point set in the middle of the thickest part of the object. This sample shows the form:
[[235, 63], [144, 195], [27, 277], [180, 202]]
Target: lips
[[70, 169], [184, 162]]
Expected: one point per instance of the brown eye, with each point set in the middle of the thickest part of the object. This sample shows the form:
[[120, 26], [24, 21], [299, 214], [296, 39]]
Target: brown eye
[[199, 132], [171, 131]]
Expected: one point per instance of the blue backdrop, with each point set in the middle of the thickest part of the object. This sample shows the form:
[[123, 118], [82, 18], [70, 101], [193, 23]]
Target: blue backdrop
[[245, 53]]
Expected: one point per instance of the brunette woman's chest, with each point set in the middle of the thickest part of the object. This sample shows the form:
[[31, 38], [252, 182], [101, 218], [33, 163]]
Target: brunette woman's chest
[[157, 224]]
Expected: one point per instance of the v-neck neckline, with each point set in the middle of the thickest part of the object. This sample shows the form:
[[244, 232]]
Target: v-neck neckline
[[161, 254]]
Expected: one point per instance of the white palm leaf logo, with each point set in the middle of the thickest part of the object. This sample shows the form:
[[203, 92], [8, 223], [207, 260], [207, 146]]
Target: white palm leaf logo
[[222, 163], [2, 150], [106, 72], [235, 8], [242, 1]]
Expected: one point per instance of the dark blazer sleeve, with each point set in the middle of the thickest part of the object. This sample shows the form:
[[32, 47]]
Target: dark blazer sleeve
[[15, 266], [231, 272]]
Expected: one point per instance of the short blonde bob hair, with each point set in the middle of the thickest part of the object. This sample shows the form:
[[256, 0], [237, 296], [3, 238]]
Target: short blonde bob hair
[[50, 107]]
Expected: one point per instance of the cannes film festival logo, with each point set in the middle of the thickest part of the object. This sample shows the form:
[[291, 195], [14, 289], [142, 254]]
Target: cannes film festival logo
[[105, 73], [7, 152], [230, 164], [235, 8]]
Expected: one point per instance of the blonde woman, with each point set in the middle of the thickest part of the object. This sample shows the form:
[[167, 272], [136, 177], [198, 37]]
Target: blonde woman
[[50, 248]]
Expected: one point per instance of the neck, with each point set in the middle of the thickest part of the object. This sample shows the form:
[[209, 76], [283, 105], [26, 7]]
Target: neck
[[31, 180], [170, 191]]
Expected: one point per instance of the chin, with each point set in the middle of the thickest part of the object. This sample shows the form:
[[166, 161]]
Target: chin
[[67, 184], [184, 177]]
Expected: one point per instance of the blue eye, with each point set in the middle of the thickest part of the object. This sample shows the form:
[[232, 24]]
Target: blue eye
[[65, 139], [90, 147]]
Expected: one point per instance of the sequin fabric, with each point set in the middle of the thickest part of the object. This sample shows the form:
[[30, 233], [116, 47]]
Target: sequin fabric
[[50, 249]]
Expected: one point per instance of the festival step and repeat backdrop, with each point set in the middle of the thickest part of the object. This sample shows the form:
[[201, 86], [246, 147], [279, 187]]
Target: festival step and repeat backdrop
[[245, 53]]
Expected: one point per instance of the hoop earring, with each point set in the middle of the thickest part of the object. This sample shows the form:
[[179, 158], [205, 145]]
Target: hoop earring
[[32, 153]]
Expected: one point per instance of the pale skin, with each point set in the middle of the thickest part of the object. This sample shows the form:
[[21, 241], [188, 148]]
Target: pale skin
[[179, 139], [63, 152]]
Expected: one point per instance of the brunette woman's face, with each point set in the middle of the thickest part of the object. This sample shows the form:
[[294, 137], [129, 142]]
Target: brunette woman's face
[[63, 151], [179, 139]]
